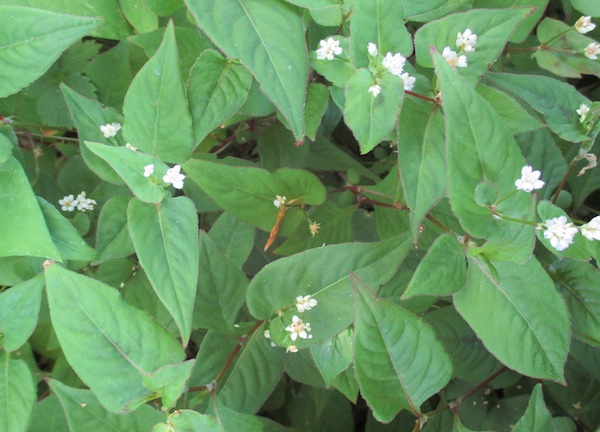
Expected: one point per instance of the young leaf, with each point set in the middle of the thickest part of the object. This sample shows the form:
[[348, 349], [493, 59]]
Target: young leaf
[[399, 362], [165, 237], [537, 418], [333, 356], [17, 393], [157, 118], [32, 40], [215, 90], [268, 38], [169, 382], [523, 302], [19, 309], [89, 316], [191, 421], [141, 17]]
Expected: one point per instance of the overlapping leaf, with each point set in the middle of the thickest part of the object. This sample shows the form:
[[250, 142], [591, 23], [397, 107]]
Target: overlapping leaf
[[17, 394], [19, 309]]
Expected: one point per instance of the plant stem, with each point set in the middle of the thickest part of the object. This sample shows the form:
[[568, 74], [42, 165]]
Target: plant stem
[[420, 96], [564, 179]]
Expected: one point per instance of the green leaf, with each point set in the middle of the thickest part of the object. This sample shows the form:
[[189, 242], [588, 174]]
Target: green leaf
[[216, 89], [32, 40], [537, 418], [17, 394], [443, 271], [333, 356], [169, 382], [428, 10], [64, 235], [19, 309], [254, 375], [23, 230], [111, 73], [528, 24], [399, 362], [192, 421], [215, 349], [421, 159], [6, 147], [141, 17], [578, 283], [234, 239], [88, 115], [277, 150], [221, 289], [84, 412], [112, 232], [340, 69], [556, 100], [317, 101], [380, 22], [89, 316], [129, 165], [524, 304], [493, 26], [479, 148], [165, 237], [157, 119], [268, 38], [372, 118], [586, 8], [248, 193]]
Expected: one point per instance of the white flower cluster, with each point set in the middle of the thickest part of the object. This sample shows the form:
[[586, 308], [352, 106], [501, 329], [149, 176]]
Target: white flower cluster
[[329, 49], [591, 230], [298, 328], [173, 176], [81, 203], [592, 51], [465, 41], [279, 201], [583, 111], [110, 129], [560, 232], [529, 180], [584, 25], [148, 170], [304, 303]]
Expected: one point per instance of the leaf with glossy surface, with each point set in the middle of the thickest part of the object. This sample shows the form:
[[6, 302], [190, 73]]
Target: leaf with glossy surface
[[157, 118], [17, 394], [216, 89], [537, 418], [268, 38], [399, 362], [165, 238], [88, 316], [530, 312], [19, 309], [32, 40]]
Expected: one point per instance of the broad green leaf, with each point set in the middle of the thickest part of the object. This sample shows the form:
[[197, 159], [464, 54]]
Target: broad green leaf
[[492, 26], [323, 273], [254, 375], [421, 159], [528, 24], [428, 10], [317, 100], [379, 22], [84, 412], [313, 4], [165, 237], [556, 100], [157, 118], [479, 148], [23, 230], [471, 361], [587, 7], [268, 38], [524, 304], [578, 283], [165, 7], [111, 73], [215, 349], [577, 250], [48, 415], [234, 239], [333, 356], [347, 385], [515, 117], [88, 115], [372, 118], [564, 55], [129, 165], [216, 89], [399, 362], [191, 421], [17, 394], [277, 150], [112, 233], [64, 235], [89, 316], [248, 193], [5, 148], [139, 15], [32, 40], [537, 418], [17, 269], [221, 289], [19, 309], [443, 271], [169, 382]]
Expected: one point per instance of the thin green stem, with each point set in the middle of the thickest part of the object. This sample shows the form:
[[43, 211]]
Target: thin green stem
[[511, 219], [552, 39]]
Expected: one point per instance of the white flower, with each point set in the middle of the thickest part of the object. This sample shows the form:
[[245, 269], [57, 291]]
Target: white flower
[[148, 170], [329, 49], [305, 303], [68, 203], [591, 230], [584, 25], [110, 129], [279, 201], [267, 334], [174, 177], [292, 349], [372, 49], [314, 227], [375, 89], [453, 59], [298, 328], [560, 232], [394, 63], [466, 41], [130, 147], [409, 81], [592, 50], [583, 112], [529, 180], [84, 203]]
